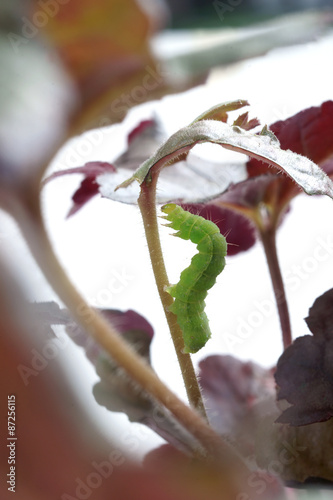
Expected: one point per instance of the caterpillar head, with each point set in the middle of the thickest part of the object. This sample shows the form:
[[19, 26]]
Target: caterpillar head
[[168, 208], [176, 216]]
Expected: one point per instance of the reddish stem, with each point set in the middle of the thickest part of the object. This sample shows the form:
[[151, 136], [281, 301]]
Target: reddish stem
[[268, 238]]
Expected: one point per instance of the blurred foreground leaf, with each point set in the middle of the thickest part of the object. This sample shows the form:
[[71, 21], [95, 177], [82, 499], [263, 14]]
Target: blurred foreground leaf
[[105, 47], [37, 100]]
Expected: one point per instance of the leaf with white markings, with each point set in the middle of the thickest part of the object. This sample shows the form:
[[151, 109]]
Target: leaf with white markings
[[263, 147]]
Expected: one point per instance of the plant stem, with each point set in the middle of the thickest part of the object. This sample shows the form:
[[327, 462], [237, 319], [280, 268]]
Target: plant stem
[[30, 221], [147, 204], [268, 238]]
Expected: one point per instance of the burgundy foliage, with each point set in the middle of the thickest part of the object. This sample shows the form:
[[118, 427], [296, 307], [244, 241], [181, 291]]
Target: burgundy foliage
[[308, 133], [231, 389], [140, 129], [239, 232], [304, 372], [88, 187]]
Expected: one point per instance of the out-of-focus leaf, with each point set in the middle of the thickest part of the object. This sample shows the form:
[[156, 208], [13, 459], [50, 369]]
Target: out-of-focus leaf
[[261, 199], [133, 327], [200, 50], [240, 399], [105, 47], [101, 177], [142, 141], [88, 187], [36, 100], [302, 454], [237, 229], [194, 180], [139, 130], [232, 391], [306, 173], [144, 412], [116, 390], [327, 166]]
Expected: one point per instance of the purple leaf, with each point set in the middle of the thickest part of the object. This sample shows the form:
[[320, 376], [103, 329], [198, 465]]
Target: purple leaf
[[240, 400], [247, 196], [320, 319], [231, 389], [142, 141], [304, 372], [309, 133], [116, 390], [140, 131], [88, 187], [132, 326]]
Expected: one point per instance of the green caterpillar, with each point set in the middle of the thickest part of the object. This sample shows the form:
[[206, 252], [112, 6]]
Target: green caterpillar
[[200, 276]]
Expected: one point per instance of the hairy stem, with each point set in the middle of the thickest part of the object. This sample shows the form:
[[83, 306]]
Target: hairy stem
[[268, 238], [30, 221], [147, 204]]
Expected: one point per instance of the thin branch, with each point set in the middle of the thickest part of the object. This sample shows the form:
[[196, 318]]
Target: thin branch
[[268, 238]]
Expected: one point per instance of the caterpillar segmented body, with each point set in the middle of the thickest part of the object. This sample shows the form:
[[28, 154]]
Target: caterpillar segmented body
[[191, 290]]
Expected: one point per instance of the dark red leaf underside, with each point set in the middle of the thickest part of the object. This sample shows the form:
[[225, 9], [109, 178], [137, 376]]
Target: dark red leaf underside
[[239, 232], [88, 187], [140, 129], [308, 133]]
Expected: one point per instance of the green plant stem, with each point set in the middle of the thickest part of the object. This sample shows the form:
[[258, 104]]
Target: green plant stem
[[147, 204], [30, 221], [268, 238]]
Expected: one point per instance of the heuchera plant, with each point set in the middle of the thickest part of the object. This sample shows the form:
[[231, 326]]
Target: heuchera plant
[[246, 431], [239, 400]]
